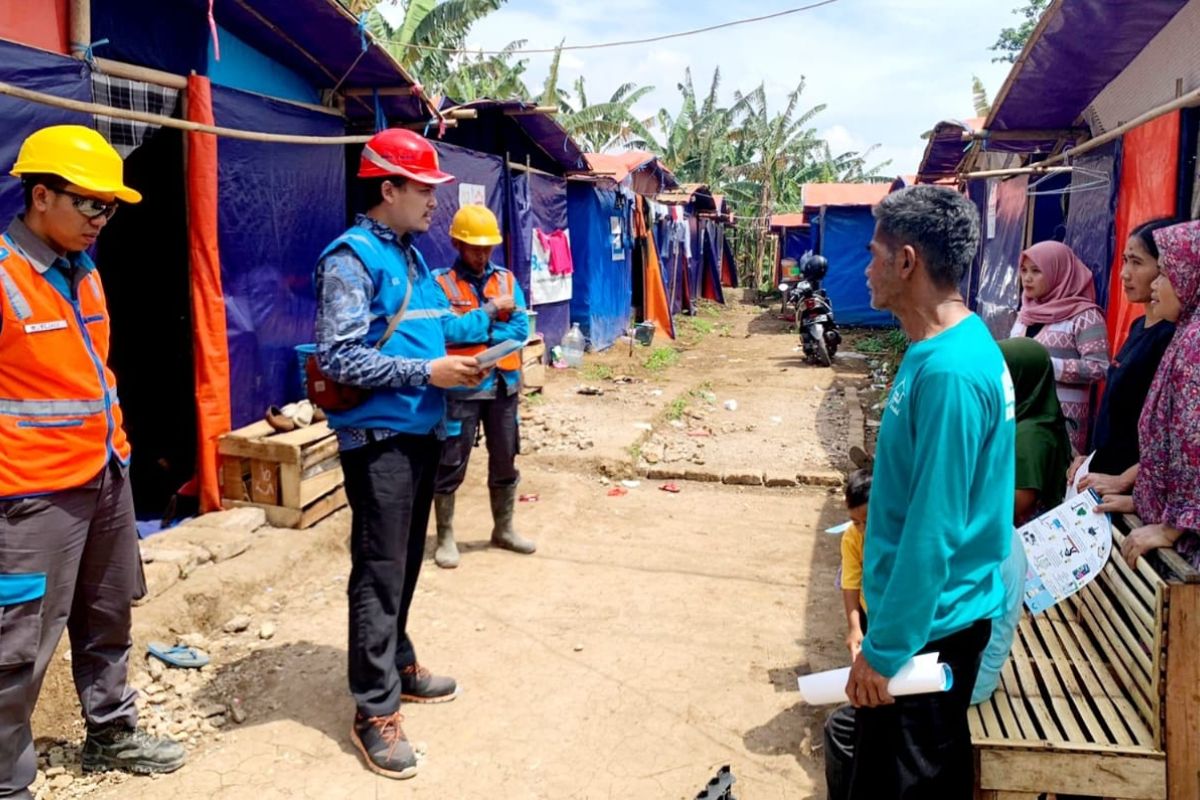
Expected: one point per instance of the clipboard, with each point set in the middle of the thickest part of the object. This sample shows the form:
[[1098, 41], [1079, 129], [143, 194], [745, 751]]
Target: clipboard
[[490, 357]]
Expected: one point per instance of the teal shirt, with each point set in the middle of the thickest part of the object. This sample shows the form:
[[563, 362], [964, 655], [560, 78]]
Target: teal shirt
[[941, 513]]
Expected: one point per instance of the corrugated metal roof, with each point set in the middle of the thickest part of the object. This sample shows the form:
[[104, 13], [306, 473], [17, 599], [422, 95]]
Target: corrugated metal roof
[[816, 195]]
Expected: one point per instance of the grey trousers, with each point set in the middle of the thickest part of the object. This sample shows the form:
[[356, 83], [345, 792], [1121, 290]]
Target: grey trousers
[[502, 435], [85, 542]]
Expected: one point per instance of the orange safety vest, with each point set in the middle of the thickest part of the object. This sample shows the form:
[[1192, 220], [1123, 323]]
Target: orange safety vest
[[60, 421], [464, 300]]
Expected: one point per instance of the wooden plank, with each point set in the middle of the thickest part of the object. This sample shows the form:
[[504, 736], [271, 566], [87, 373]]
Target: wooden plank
[[1115, 713], [255, 430], [1160, 665], [264, 450], [264, 482], [277, 516], [1111, 582], [321, 451], [1093, 774], [233, 479], [975, 721], [1124, 708], [1025, 718], [1043, 712], [320, 485], [1066, 748], [321, 509], [1183, 692], [304, 436], [987, 715], [1052, 661], [1130, 662], [1008, 700], [289, 485], [1143, 575]]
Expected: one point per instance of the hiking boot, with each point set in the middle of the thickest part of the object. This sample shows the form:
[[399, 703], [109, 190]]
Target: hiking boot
[[382, 742], [419, 685], [446, 555], [504, 501], [119, 747]]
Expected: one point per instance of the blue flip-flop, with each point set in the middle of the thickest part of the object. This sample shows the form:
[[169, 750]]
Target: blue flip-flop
[[178, 656]]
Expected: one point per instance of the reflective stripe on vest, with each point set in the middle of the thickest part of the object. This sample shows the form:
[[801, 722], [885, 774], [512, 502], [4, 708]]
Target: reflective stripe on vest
[[60, 418], [464, 300]]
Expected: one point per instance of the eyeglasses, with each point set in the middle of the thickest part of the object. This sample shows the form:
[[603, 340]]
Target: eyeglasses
[[89, 207]]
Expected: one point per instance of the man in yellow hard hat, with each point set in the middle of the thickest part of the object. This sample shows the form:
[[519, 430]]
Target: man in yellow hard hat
[[474, 282], [68, 542]]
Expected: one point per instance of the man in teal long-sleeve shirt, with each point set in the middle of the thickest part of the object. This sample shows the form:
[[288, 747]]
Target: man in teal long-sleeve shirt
[[941, 503]]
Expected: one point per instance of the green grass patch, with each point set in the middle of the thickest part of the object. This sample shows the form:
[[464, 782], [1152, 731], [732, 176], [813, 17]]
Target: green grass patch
[[676, 409], [598, 372], [661, 358]]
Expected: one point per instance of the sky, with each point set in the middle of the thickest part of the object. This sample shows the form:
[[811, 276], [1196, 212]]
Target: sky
[[886, 70]]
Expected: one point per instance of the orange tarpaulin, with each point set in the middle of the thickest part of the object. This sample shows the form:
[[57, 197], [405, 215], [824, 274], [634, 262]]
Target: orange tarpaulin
[[210, 345], [657, 308], [42, 24], [1149, 183]]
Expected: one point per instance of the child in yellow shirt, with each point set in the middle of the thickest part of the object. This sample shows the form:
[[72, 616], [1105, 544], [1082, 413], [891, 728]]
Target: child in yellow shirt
[[858, 495]]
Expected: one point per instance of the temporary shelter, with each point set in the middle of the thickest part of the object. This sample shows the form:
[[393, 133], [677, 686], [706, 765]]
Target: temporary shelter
[[209, 279], [844, 225]]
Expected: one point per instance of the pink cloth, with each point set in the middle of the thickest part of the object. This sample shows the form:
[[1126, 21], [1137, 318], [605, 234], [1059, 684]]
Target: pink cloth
[[1072, 288], [1168, 482], [558, 246]]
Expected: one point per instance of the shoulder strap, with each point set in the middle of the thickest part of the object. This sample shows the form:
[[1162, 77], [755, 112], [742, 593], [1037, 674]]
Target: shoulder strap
[[394, 322]]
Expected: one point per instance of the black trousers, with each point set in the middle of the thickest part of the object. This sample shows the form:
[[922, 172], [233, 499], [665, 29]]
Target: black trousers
[[500, 429], [390, 488], [917, 748]]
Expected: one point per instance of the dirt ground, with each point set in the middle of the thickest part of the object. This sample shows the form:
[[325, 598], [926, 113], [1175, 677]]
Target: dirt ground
[[653, 637]]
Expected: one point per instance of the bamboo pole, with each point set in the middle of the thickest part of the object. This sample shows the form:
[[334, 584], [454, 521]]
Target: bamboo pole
[[1007, 173], [179, 124], [79, 27]]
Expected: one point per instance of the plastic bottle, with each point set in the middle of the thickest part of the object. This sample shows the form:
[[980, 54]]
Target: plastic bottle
[[573, 346]]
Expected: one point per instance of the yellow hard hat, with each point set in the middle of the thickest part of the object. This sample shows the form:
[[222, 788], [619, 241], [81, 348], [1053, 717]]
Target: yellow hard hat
[[475, 225], [78, 155]]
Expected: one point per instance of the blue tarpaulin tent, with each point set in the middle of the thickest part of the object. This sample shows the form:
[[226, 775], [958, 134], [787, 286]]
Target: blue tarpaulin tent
[[538, 202], [479, 176], [999, 295], [845, 233], [602, 290]]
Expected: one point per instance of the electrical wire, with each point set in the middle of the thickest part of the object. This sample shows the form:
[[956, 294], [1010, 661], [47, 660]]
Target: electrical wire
[[623, 43]]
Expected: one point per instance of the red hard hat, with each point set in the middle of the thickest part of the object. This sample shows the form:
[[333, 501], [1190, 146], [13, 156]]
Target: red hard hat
[[403, 153]]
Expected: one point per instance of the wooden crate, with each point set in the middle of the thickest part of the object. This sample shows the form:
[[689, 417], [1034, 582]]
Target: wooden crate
[[295, 477], [533, 366]]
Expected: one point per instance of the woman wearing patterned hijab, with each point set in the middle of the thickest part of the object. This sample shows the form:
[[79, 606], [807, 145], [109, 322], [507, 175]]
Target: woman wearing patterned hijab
[[1059, 310], [1167, 493]]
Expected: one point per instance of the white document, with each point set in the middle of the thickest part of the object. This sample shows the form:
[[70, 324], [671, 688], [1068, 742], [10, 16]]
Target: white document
[[472, 194], [1082, 473], [1065, 549], [922, 675]]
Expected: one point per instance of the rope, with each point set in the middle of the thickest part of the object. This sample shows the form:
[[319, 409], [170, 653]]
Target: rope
[[624, 43], [170, 122]]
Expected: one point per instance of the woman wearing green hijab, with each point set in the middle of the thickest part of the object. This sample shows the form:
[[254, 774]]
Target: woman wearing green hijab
[[1043, 446], [1043, 454]]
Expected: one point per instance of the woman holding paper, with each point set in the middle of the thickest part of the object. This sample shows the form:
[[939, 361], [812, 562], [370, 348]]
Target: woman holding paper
[[1167, 493], [1113, 465]]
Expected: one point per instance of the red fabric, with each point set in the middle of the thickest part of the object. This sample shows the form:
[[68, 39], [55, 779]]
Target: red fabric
[[210, 343], [1149, 182], [42, 24]]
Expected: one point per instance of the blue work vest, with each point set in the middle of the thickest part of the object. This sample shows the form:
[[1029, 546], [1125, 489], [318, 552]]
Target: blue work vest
[[411, 409]]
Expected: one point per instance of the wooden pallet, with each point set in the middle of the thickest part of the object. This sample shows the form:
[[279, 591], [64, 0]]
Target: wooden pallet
[[295, 477]]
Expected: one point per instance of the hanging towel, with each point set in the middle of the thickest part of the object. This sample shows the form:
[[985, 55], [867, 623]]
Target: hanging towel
[[558, 245]]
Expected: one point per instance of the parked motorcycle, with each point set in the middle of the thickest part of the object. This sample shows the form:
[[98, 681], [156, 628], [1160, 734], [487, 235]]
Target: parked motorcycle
[[814, 313]]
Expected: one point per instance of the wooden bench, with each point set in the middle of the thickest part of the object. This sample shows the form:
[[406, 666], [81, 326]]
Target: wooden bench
[[1101, 695]]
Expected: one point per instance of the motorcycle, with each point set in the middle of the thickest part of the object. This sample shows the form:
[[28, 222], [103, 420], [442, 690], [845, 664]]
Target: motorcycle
[[814, 320]]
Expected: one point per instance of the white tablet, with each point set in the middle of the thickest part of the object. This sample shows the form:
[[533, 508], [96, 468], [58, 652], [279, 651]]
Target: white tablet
[[488, 358]]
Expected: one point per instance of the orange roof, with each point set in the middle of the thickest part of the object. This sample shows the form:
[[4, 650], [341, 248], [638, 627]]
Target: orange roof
[[788, 220], [618, 164], [844, 194]]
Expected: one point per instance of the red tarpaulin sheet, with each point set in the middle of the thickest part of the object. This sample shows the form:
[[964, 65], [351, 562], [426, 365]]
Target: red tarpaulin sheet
[[211, 349], [1149, 182]]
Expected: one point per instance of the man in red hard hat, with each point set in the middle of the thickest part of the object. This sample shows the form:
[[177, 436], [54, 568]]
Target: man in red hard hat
[[382, 325]]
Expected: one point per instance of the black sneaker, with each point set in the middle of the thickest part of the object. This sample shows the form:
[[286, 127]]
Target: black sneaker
[[382, 742], [419, 685], [128, 749]]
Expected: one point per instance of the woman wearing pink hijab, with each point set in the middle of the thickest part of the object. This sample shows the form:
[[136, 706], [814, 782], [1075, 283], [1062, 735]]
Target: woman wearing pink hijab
[[1059, 310]]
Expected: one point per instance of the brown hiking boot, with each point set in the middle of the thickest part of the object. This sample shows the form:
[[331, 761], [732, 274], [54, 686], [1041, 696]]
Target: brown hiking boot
[[419, 685], [382, 742]]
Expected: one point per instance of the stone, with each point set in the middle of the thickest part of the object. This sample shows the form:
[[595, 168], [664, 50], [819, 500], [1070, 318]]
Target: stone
[[238, 624], [237, 713], [223, 544], [54, 772], [743, 479], [196, 640], [159, 578], [235, 519], [779, 480], [155, 668], [62, 781], [267, 631], [702, 476], [821, 478], [578, 648], [664, 474], [209, 710]]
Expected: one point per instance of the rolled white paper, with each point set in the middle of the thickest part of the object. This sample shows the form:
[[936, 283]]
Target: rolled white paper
[[922, 675]]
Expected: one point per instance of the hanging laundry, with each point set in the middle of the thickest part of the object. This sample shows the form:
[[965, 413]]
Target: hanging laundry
[[558, 246]]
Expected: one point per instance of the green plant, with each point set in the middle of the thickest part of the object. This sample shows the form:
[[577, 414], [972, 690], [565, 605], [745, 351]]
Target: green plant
[[889, 342], [661, 358], [536, 399], [598, 372], [676, 409], [696, 325]]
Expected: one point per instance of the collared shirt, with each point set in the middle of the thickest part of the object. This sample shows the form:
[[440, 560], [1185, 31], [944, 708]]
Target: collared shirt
[[344, 292], [63, 272], [477, 281]]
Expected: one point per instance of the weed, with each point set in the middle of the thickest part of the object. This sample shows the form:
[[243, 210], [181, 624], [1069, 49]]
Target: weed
[[661, 358], [635, 452], [535, 399], [597, 372], [676, 408]]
